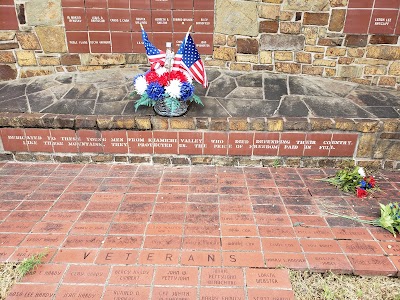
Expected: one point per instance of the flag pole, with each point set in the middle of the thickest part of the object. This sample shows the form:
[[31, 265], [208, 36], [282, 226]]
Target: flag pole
[[141, 26]]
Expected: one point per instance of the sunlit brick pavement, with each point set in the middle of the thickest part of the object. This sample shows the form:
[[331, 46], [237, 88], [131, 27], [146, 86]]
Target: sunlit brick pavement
[[182, 233]]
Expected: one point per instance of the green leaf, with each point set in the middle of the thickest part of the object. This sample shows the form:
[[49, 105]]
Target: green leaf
[[144, 100], [197, 100], [172, 103]]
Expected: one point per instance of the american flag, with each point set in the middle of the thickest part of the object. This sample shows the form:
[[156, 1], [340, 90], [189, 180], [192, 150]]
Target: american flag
[[177, 65], [156, 57], [191, 61]]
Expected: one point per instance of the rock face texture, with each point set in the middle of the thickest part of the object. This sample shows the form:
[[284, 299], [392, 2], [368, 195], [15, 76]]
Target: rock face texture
[[309, 37]]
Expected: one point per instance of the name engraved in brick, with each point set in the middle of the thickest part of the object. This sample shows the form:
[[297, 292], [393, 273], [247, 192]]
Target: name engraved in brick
[[222, 277], [176, 276]]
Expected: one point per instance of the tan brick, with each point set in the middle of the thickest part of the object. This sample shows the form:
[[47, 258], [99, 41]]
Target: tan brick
[[349, 71], [384, 52], [219, 124], [275, 124], [28, 41], [391, 125], [367, 126], [7, 57], [355, 52], [240, 67], [159, 123], [338, 3], [49, 61], [238, 124], [337, 20], [286, 16], [366, 144], [7, 35], [26, 58], [310, 70], [267, 11], [283, 55], [361, 81], [290, 27], [35, 71], [214, 63], [269, 26], [372, 62], [330, 72], [225, 53], [124, 122], [321, 124], [257, 124], [374, 70], [394, 68], [247, 58], [231, 41], [219, 39], [345, 124], [314, 49], [324, 62], [290, 68], [202, 160], [311, 35], [143, 123], [266, 57], [303, 57], [333, 52], [387, 81], [183, 123], [318, 56], [345, 60]]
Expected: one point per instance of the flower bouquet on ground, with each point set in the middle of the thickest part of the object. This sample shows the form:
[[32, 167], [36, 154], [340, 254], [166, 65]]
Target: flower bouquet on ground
[[389, 219], [354, 181], [172, 88]]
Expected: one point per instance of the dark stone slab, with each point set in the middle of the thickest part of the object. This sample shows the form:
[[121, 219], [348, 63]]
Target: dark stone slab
[[110, 108], [212, 108], [335, 107], [41, 100], [142, 111], [199, 90], [60, 90], [275, 87], [221, 87], [12, 90], [250, 80], [71, 106], [65, 78], [313, 86], [212, 74], [82, 91], [19, 104], [112, 94], [40, 84], [2, 85], [247, 93], [251, 109], [365, 98], [382, 111], [293, 106]]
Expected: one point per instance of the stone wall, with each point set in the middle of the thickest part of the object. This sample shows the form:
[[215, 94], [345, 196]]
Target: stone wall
[[282, 36]]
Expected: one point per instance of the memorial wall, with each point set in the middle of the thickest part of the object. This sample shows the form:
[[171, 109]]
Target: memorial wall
[[354, 40]]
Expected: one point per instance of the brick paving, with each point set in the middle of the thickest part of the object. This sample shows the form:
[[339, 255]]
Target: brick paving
[[182, 233]]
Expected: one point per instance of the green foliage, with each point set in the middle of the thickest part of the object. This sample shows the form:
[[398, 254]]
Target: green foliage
[[389, 219], [346, 180], [172, 103], [144, 100], [197, 100], [30, 263]]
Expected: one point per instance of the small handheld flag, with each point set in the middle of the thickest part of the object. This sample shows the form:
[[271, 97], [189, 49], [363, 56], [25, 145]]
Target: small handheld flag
[[156, 57], [177, 65], [191, 61]]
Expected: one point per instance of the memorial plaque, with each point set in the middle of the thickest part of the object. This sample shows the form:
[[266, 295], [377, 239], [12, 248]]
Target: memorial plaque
[[222, 277], [8, 16], [126, 292], [223, 293], [191, 143], [113, 256], [268, 278], [165, 142], [176, 276], [216, 143], [100, 42], [373, 17], [174, 293], [240, 143], [163, 20], [131, 275]]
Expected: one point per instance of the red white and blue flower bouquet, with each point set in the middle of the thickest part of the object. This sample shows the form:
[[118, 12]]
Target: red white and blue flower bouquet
[[168, 85]]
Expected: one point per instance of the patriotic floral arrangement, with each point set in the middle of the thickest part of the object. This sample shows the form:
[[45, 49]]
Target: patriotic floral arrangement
[[160, 84], [169, 81], [389, 219], [354, 181]]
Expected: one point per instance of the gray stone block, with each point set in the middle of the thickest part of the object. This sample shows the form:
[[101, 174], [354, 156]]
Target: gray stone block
[[281, 42]]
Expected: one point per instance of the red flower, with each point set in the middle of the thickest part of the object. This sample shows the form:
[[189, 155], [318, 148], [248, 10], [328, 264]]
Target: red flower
[[372, 181], [164, 79], [361, 193], [151, 76], [178, 75]]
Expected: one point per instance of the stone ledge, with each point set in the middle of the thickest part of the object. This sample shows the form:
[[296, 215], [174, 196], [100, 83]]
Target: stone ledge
[[271, 124], [176, 160]]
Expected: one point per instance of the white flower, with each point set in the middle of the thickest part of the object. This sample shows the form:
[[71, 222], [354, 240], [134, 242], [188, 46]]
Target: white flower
[[174, 88], [161, 71], [189, 78], [140, 85], [361, 172]]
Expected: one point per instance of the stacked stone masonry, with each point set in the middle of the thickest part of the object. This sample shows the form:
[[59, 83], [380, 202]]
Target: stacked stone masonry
[[216, 141], [315, 37]]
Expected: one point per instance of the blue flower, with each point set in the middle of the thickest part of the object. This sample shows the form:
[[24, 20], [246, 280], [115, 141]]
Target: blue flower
[[155, 91], [187, 91], [363, 184]]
